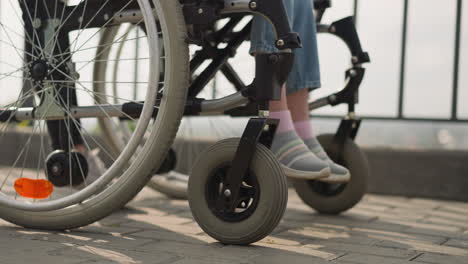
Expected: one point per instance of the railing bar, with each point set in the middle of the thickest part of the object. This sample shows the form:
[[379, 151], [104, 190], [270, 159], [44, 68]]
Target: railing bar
[[355, 11], [391, 118], [456, 60], [403, 59]]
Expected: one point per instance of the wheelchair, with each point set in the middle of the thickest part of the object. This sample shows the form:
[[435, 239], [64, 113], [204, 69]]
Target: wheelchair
[[65, 68]]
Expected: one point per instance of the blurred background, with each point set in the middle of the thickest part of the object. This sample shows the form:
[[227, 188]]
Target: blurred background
[[417, 78], [412, 99]]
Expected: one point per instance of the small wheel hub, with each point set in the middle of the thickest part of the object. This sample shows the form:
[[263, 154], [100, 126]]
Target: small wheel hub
[[247, 200], [66, 168], [39, 70]]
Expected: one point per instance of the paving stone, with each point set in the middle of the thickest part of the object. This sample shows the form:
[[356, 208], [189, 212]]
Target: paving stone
[[185, 228], [449, 215], [113, 221], [346, 219], [186, 250], [441, 259], [185, 214], [428, 226], [463, 224], [372, 207], [105, 255], [284, 257], [379, 225], [387, 215], [241, 252], [457, 243], [399, 235], [321, 233], [38, 252], [462, 235], [278, 240], [313, 251], [155, 229], [98, 227], [455, 208], [371, 259], [162, 234], [81, 237], [161, 204], [363, 249], [316, 236], [432, 229], [391, 201], [205, 260], [421, 246], [169, 219]]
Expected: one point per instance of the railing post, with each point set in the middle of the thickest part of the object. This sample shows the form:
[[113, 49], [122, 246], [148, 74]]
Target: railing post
[[403, 59], [355, 11], [456, 60]]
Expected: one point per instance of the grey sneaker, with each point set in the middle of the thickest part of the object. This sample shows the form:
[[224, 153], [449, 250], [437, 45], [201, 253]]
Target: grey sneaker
[[339, 174], [296, 159]]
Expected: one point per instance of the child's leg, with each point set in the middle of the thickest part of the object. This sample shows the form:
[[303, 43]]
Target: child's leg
[[288, 146], [305, 77]]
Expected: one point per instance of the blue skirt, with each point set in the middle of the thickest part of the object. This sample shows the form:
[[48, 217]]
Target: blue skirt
[[305, 73]]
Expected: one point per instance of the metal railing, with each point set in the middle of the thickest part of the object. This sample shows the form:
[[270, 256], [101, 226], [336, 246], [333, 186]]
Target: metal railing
[[402, 71]]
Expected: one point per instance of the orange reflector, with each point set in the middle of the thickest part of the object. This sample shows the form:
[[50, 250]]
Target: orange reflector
[[37, 189]]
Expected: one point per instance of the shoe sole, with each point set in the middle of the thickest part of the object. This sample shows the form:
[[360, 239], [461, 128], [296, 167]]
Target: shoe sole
[[306, 175], [336, 178]]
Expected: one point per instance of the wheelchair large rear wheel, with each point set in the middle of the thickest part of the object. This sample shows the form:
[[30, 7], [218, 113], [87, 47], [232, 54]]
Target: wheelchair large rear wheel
[[24, 163]]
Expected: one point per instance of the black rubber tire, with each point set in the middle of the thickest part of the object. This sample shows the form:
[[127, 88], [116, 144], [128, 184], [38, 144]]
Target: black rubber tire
[[271, 204], [347, 195]]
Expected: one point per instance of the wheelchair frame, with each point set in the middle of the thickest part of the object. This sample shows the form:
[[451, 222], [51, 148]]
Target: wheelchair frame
[[241, 103], [195, 11], [271, 72], [249, 100], [343, 29]]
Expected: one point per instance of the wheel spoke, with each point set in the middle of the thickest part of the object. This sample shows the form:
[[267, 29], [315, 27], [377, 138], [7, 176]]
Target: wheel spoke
[[49, 60]]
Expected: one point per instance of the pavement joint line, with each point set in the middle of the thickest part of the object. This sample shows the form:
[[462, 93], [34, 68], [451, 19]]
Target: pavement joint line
[[338, 257], [132, 232], [446, 240], [415, 257]]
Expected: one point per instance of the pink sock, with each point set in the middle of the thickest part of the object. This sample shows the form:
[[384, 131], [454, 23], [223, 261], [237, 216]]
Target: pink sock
[[304, 129], [286, 123]]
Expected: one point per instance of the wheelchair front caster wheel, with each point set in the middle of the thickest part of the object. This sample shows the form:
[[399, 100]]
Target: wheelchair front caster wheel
[[262, 198], [332, 198]]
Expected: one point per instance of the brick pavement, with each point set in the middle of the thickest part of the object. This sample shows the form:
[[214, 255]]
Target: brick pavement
[[154, 229]]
